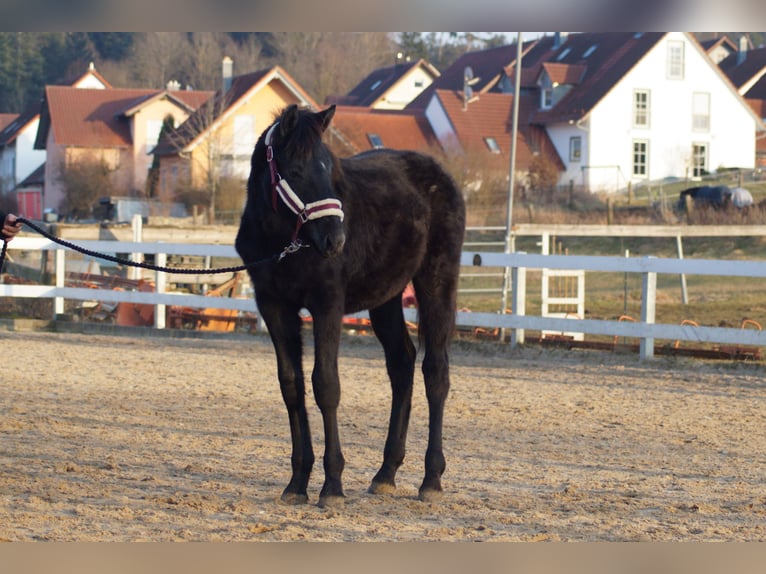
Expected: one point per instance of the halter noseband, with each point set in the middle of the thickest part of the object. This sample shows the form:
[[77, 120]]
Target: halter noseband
[[305, 211]]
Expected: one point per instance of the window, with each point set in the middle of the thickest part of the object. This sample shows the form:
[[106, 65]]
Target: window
[[546, 92], [375, 141], [640, 158], [492, 145], [547, 98], [699, 159], [675, 60], [575, 148], [244, 135], [375, 85], [590, 50], [641, 108], [700, 112]]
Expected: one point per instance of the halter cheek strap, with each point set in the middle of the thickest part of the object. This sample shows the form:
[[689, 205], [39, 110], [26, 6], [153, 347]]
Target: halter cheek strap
[[281, 189]]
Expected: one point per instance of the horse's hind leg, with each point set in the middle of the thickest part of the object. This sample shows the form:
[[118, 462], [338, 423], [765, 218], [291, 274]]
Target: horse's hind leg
[[391, 330], [436, 303]]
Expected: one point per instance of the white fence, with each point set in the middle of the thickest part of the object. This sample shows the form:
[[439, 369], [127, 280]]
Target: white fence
[[646, 330]]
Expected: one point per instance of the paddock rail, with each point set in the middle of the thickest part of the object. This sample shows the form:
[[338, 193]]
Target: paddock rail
[[645, 329]]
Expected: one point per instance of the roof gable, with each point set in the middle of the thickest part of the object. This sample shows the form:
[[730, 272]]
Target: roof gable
[[207, 117], [376, 84], [11, 125]]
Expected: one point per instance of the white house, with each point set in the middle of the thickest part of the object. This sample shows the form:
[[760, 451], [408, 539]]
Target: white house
[[18, 156], [628, 108]]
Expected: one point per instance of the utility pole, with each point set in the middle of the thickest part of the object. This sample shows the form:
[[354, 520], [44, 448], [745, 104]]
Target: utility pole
[[509, 239]]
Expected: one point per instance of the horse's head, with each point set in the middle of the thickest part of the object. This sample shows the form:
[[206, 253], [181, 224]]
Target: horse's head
[[301, 169]]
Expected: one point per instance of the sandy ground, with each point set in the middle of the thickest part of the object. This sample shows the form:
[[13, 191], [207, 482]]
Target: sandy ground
[[120, 438]]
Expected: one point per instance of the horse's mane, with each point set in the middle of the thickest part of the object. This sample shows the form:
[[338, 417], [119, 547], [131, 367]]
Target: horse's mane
[[304, 130]]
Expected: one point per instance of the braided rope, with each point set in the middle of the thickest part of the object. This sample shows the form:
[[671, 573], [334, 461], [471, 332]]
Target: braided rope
[[106, 256]]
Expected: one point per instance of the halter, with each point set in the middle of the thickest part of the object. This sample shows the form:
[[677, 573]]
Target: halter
[[305, 211]]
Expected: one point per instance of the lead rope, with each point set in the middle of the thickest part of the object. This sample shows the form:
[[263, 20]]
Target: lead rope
[[181, 270]]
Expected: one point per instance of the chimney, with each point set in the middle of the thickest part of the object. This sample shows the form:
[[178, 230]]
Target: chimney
[[559, 38], [227, 69], [742, 51]]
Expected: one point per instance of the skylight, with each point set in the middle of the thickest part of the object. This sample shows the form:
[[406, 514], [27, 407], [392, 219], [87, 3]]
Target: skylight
[[590, 50], [375, 85], [375, 140], [563, 54], [492, 144]]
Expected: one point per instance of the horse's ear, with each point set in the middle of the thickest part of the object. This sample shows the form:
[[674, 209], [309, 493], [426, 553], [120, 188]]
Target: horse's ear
[[289, 119], [326, 116]]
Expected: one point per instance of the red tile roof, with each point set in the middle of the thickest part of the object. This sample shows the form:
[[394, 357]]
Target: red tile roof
[[6, 119], [491, 116], [397, 130], [95, 117], [570, 74]]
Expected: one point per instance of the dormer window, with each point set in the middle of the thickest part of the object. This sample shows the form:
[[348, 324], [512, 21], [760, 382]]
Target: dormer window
[[492, 144], [375, 141], [546, 92]]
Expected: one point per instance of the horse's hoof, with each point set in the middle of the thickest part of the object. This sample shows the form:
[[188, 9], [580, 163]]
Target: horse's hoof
[[382, 488], [294, 498], [331, 501], [430, 495]]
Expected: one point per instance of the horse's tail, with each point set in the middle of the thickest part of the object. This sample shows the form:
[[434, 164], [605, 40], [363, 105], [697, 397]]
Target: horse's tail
[[436, 282]]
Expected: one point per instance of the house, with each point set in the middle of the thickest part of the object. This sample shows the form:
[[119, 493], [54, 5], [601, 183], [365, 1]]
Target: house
[[746, 69], [391, 87], [18, 156], [218, 139], [625, 108], [118, 127], [718, 48], [486, 71]]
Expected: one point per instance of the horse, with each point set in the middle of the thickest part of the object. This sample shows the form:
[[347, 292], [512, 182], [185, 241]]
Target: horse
[[351, 233]]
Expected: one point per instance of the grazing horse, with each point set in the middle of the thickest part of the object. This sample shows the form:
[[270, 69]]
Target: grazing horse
[[352, 232]]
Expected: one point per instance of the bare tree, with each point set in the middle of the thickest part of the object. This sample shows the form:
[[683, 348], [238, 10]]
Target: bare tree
[[159, 57], [320, 61], [84, 181], [212, 162]]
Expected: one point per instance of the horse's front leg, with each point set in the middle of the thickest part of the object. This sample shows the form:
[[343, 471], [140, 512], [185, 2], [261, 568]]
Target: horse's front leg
[[326, 384], [284, 326]]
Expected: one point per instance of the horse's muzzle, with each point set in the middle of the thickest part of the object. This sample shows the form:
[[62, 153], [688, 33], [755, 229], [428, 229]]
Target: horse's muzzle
[[332, 244]]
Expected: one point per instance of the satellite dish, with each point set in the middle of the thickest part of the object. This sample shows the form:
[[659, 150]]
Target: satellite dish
[[468, 77]]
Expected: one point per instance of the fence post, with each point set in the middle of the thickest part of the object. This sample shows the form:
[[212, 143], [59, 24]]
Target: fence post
[[518, 301], [648, 307], [137, 228], [160, 285], [58, 302]]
